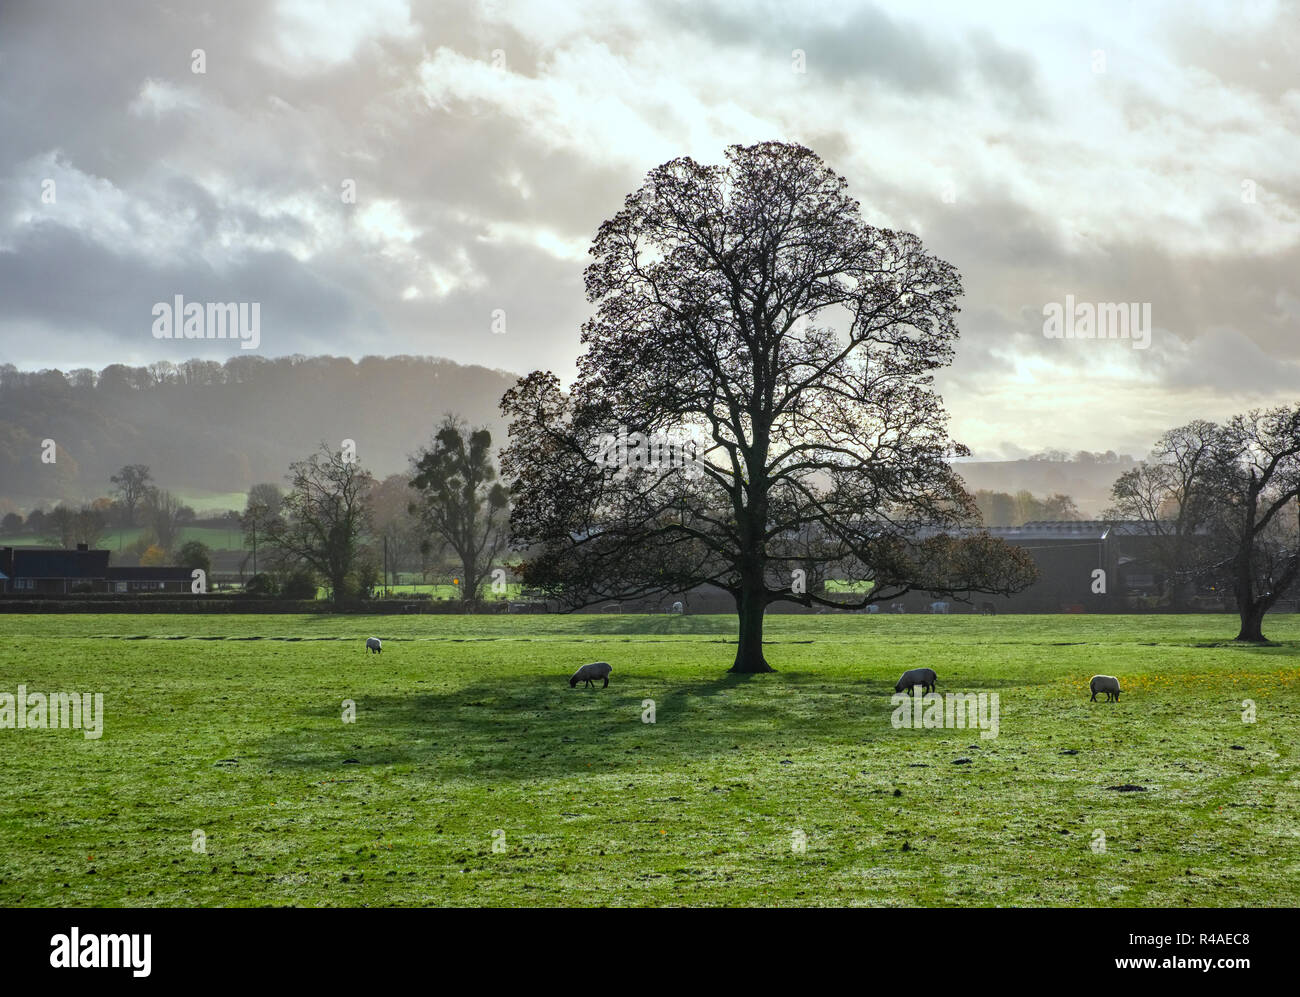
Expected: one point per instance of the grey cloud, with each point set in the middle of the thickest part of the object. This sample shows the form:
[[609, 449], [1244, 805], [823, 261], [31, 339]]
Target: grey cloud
[[1261, 57], [57, 279], [261, 162], [1232, 364], [866, 43]]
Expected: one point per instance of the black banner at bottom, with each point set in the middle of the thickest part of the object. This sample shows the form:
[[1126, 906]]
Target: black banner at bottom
[[143, 947]]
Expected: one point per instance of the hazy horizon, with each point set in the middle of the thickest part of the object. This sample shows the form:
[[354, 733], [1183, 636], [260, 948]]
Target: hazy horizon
[[1122, 154]]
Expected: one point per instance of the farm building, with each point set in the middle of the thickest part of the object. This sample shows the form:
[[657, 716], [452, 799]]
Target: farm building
[[52, 571], [150, 579], [1069, 555], [60, 571]]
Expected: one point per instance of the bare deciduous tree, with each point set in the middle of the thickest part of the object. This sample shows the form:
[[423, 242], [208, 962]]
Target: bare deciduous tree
[[325, 518], [66, 526], [1169, 498], [163, 514], [1255, 482], [747, 311], [132, 485]]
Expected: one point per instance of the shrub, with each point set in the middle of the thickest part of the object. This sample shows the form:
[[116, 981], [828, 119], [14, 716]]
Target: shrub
[[299, 584], [262, 585], [153, 557], [195, 555]]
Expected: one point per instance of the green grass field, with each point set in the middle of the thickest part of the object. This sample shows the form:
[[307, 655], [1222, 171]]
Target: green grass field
[[466, 726]]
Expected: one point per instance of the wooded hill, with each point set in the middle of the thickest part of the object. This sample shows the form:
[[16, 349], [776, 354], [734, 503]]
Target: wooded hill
[[203, 426]]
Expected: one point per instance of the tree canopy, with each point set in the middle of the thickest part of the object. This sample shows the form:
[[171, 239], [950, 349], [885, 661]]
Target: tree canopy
[[748, 318], [460, 502]]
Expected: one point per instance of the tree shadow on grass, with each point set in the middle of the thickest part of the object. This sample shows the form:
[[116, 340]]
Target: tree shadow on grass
[[1288, 647], [530, 727]]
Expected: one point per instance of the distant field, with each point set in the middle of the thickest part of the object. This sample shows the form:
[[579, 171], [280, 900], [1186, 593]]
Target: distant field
[[838, 585], [513, 591], [208, 503], [467, 734], [216, 539]]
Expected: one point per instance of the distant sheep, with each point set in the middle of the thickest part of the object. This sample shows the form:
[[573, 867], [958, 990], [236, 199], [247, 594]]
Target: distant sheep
[[1108, 684], [924, 677], [588, 673], [677, 608], [374, 645], [988, 609], [938, 607]]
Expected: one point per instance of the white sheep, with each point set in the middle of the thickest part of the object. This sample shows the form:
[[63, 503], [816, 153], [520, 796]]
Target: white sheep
[[924, 677], [677, 608], [1108, 684], [374, 645], [595, 670]]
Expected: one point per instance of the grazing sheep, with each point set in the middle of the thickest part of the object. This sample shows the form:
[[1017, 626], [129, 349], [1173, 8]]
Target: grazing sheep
[[595, 670], [1108, 684], [924, 677], [374, 645]]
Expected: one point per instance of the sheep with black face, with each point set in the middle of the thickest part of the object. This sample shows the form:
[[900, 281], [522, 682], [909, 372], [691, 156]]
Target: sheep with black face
[[924, 677], [589, 673]]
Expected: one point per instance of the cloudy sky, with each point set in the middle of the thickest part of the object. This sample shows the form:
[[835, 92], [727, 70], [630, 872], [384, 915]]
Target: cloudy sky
[[1112, 151]]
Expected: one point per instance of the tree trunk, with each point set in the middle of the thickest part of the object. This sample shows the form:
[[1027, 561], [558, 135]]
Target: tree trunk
[[467, 575], [751, 605], [1250, 609], [1179, 594], [1252, 623]]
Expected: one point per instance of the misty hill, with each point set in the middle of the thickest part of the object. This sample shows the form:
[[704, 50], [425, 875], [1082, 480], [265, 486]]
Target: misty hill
[[206, 427], [1087, 481], [203, 426]]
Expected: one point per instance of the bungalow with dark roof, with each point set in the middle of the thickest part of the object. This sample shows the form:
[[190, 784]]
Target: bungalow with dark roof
[[51, 570], [159, 578]]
